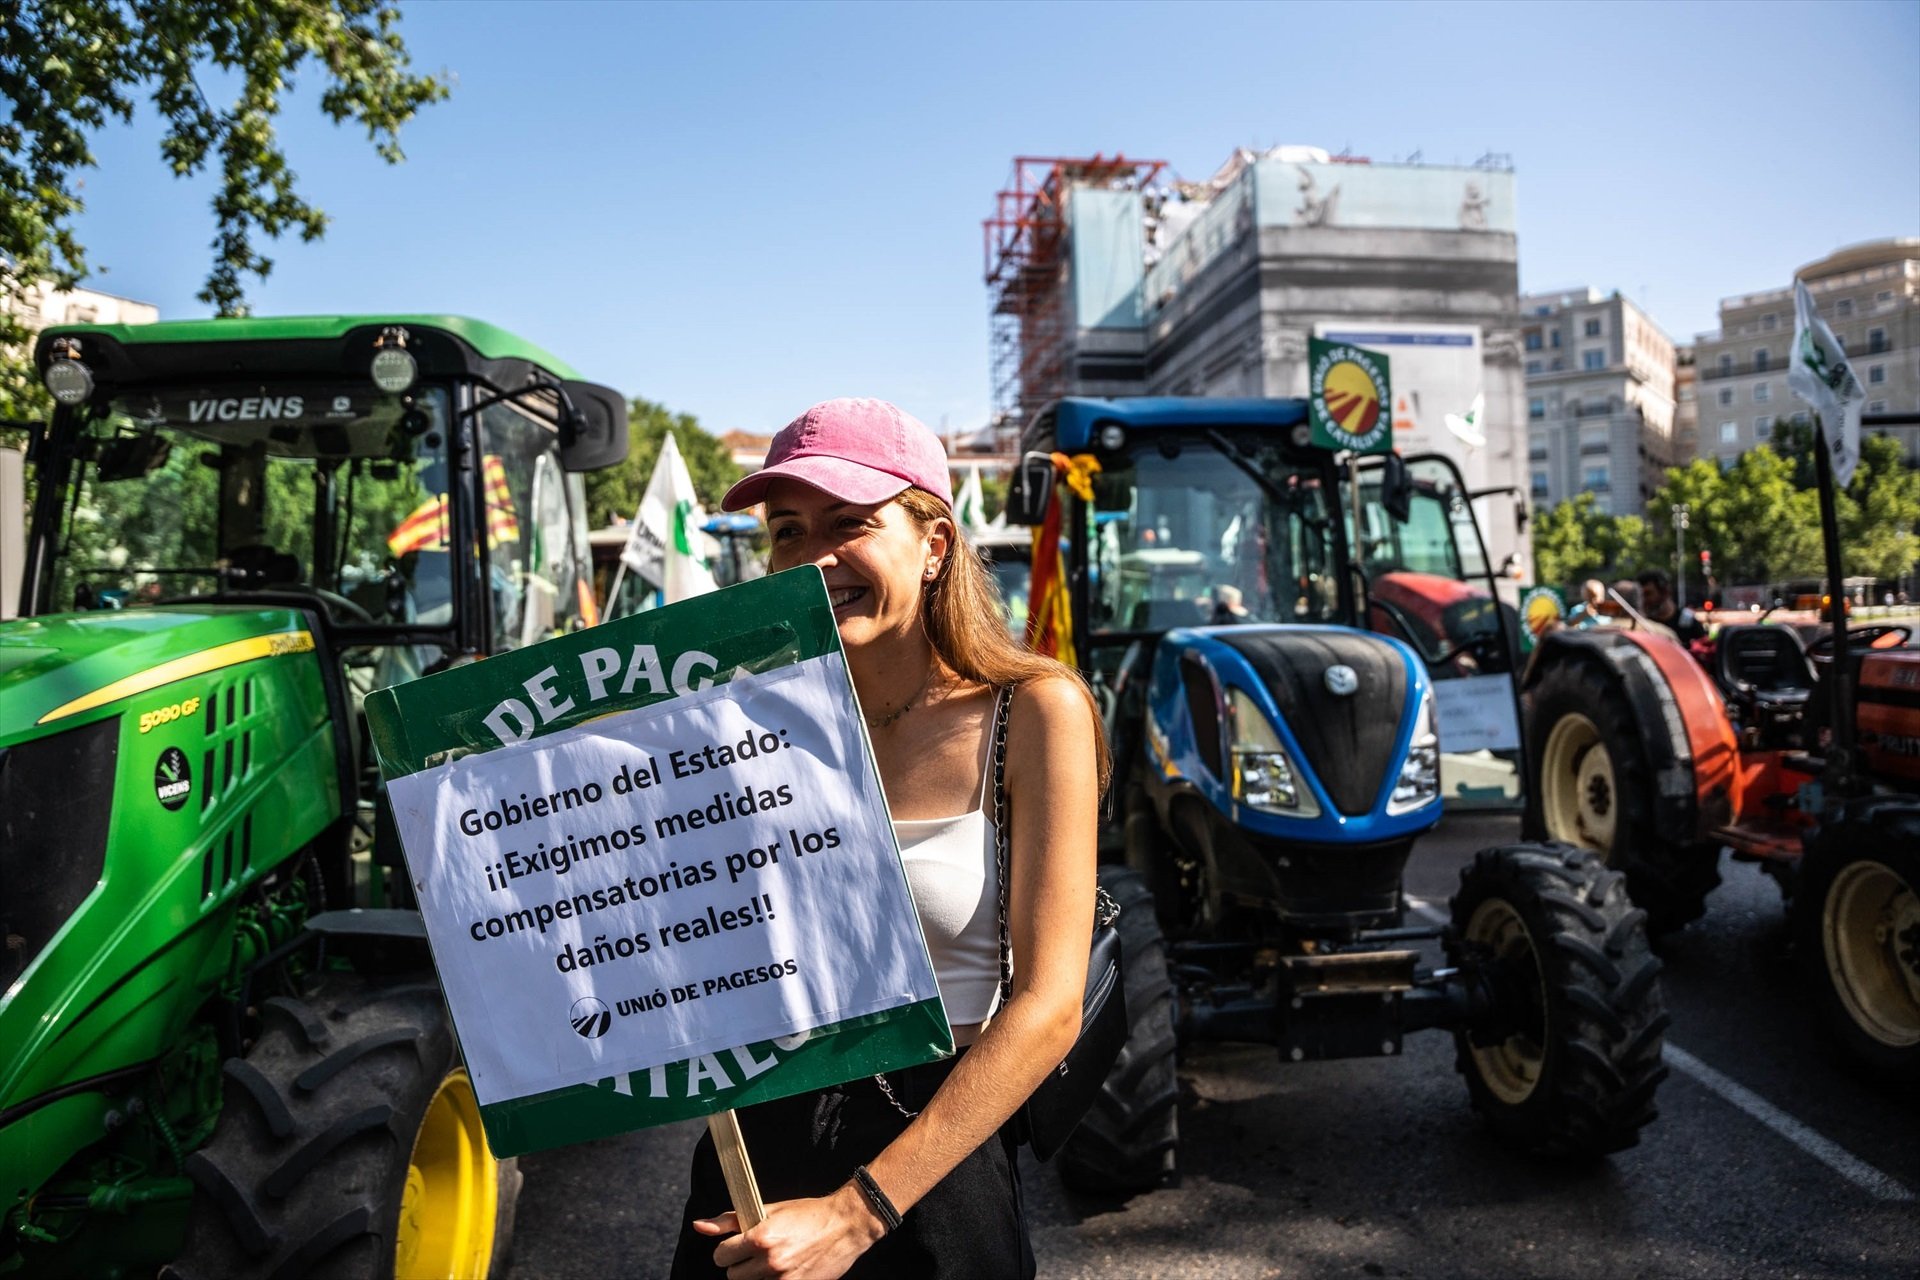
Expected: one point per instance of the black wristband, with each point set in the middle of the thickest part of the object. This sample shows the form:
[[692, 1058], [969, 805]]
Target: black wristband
[[876, 1199]]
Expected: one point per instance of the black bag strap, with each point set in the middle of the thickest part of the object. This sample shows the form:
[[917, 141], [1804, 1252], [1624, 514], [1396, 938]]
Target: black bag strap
[[1001, 706]]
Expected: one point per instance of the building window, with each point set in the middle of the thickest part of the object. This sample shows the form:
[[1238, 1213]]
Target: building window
[[1729, 433], [1768, 320], [1558, 363], [1761, 359], [1876, 374], [1593, 328], [1726, 365], [1533, 367], [1726, 396], [1844, 307], [1884, 296], [1540, 483], [1762, 428], [1594, 478], [1533, 339], [1536, 409], [1876, 341], [1762, 392], [1799, 418], [1553, 338], [1593, 359], [1876, 406]]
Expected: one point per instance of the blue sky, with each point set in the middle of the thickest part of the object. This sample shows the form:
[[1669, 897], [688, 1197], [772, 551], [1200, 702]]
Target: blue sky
[[741, 209]]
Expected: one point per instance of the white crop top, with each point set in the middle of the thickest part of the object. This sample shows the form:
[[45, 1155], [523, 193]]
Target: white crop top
[[956, 889]]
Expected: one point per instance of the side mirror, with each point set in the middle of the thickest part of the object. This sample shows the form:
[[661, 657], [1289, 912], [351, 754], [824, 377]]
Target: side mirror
[[593, 432], [1031, 490], [1396, 488]]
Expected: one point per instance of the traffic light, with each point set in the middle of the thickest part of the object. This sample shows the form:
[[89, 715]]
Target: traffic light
[[1706, 562]]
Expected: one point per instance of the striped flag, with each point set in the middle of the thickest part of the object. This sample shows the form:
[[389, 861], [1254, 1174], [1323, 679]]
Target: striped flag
[[427, 528]]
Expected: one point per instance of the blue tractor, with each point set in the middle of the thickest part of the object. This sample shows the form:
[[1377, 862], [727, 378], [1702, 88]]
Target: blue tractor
[[1300, 659]]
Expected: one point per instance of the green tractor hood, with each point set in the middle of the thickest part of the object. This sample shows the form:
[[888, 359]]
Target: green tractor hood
[[152, 762], [68, 669]]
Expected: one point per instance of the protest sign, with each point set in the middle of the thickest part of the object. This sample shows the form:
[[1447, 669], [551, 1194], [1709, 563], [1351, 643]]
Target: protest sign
[[657, 869]]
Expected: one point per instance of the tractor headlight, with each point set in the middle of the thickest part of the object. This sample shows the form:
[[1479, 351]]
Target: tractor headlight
[[1264, 776], [68, 380], [1419, 781], [393, 369]]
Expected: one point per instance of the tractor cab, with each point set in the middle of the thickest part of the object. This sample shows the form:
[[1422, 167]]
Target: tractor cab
[[1205, 513]]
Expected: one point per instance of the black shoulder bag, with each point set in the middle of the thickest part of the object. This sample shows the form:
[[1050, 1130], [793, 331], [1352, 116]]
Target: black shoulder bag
[[1059, 1102]]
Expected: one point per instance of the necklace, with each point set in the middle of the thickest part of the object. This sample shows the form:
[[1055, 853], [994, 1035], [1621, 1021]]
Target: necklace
[[891, 716]]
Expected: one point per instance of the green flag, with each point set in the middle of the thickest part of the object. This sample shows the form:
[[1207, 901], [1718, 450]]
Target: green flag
[[1348, 392]]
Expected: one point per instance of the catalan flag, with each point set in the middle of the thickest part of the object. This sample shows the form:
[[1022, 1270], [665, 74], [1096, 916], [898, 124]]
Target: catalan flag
[[427, 528]]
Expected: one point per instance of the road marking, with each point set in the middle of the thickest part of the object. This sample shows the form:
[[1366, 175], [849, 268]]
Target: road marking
[[1828, 1152]]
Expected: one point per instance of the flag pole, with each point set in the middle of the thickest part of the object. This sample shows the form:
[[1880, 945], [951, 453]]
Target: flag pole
[[613, 592], [1840, 675], [742, 1187]]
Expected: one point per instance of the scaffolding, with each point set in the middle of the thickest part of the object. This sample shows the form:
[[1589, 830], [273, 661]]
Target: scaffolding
[[1030, 307]]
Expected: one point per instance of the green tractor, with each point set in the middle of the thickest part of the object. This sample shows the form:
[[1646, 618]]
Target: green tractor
[[223, 1049]]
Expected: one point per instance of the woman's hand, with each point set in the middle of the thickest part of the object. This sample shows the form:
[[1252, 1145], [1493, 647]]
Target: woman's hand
[[798, 1239]]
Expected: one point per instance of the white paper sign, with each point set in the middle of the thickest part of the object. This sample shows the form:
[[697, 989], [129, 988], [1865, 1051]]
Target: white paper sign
[[660, 884], [1476, 714]]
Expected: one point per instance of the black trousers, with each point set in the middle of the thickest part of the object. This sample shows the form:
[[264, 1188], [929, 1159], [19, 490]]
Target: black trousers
[[969, 1227]]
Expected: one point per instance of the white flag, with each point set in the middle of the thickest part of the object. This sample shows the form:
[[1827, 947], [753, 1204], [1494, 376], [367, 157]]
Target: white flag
[[970, 508], [1471, 428], [1819, 374], [665, 544]]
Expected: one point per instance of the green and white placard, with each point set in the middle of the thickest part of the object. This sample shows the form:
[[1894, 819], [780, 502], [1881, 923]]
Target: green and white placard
[[657, 869]]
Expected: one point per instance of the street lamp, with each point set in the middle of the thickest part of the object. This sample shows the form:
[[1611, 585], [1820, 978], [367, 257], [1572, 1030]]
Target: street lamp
[[1680, 555]]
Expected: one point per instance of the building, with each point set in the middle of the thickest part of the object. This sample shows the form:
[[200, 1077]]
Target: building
[[1104, 283], [41, 306], [1686, 407], [1869, 294], [1600, 399]]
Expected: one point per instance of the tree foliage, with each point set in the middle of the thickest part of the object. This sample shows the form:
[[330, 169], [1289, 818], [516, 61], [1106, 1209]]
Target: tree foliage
[[69, 67], [1574, 540], [615, 492], [1759, 519]]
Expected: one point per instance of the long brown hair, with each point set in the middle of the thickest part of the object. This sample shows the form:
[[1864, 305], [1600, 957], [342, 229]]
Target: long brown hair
[[968, 630]]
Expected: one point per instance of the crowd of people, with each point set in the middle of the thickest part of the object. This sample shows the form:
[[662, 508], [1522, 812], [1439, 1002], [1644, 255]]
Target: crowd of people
[[1646, 602]]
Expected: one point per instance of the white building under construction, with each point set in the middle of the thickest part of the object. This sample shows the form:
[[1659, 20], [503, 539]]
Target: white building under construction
[[1107, 279]]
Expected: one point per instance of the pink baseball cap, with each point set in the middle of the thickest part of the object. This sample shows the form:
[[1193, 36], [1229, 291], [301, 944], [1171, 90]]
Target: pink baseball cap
[[860, 451]]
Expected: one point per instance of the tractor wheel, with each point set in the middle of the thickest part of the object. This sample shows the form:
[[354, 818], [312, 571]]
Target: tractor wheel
[[349, 1145], [1129, 1139], [1567, 1058], [1595, 789], [1858, 921]]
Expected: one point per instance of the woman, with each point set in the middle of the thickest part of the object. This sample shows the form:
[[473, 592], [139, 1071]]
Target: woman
[[861, 489]]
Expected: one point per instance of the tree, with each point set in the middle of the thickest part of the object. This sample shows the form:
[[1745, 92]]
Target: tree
[[1574, 540], [68, 66], [615, 493]]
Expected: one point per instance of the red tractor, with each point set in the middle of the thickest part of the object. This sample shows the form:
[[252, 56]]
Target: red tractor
[[1803, 757]]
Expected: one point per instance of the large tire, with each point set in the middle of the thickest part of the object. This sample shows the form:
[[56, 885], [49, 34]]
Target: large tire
[[1129, 1140], [1568, 1057], [348, 1145], [1594, 788], [1858, 935]]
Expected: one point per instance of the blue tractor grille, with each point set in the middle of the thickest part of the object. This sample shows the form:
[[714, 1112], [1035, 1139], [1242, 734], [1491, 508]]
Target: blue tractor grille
[[56, 798], [1348, 740]]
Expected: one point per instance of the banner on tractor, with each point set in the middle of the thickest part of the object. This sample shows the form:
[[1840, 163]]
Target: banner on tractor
[[1348, 394], [657, 869]]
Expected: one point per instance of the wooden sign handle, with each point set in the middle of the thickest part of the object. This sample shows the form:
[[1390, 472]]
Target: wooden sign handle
[[741, 1186]]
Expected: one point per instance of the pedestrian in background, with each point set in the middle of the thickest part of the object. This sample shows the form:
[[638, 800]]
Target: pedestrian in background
[[913, 1173], [1658, 604]]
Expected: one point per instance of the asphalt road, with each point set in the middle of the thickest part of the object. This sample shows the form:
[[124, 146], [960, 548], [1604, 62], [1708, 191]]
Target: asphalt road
[[1769, 1158]]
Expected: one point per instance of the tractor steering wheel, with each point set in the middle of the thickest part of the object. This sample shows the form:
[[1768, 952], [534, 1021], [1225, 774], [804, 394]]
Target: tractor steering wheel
[[1822, 648]]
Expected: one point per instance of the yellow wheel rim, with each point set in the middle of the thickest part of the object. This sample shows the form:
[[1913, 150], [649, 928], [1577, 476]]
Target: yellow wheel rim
[[1578, 795], [1511, 1069], [1871, 927], [452, 1195]]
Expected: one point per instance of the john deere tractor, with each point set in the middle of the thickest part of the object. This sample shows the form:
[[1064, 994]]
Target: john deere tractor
[[1299, 661], [223, 1050]]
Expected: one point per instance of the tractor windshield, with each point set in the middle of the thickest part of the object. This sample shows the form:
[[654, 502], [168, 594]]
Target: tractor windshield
[[1189, 537], [334, 491]]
